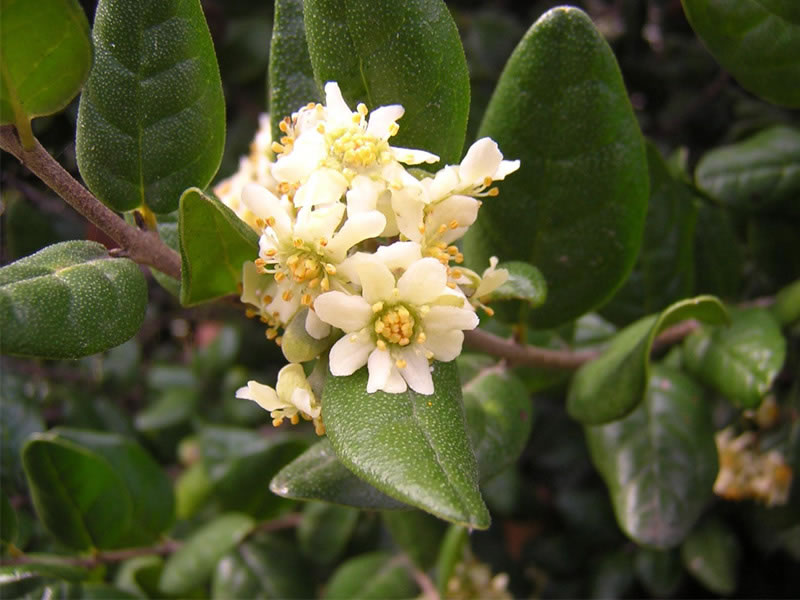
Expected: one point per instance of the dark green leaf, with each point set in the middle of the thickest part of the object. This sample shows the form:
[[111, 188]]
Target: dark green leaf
[[192, 564], [524, 289], [70, 300], [376, 576], [325, 531], [659, 463], [786, 309], [406, 53], [612, 576], [660, 571], [139, 576], [8, 520], [19, 418], [47, 566], [451, 552], [718, 257], [576, 208], [291, 78], [45, 56], [499, 418], [417, 533], [103, 591], [759, 174], [410, 446], [711, 553], [151, 121], [611, 386], [318, 475], [215, 243], [77, 494], [740, 361], [168, 232], [772, 242], [758, 41]]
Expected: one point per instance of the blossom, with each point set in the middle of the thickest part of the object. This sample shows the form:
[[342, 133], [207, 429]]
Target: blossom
[[291, 398], [397, 325]]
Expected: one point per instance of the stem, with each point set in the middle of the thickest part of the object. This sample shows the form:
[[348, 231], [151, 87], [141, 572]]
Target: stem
[[144, 247]]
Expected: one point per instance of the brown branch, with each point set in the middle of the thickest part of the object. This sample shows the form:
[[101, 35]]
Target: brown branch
[[144, 247]]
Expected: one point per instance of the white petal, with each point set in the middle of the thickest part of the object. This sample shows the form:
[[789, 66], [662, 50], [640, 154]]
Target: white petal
[[409, 212], [316, 327], [263, 395], [445, 345], [356, 229], [381, 119], [379, 365], [348, 313], [423, 282], [308, 151], [417, 371], [363, 194], [461, 209], [324, 186], [319, 223], [395, 384], [265, 204], [506, 168], [448, 318], [377, 281], [441, 184], [399, 255], [339, 114], [410, 156], [481, 161], [350, 353], [302, 400], [283, 309]]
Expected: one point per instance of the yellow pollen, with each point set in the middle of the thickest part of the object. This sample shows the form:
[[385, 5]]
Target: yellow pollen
[[421, 228], [493, 192], [395, 326], [453, 224], [271, 221], [393, 129], [295, 419], [362, 109], [271, 252], [260, 223], [401, 364], [321, 128], [297, 242], [451, 285], [278, 340], [377, 307], [249, 313], [456, 274], [381, 345], [283, 126], [271, 333], [330, 269], [313, 283], [442, 228], [280, 276], [325, 284], [287, 295], [260, 262], [306, 299], [277, 148], [487, 181], [489, 311], [277, 422], [323, 242], [266, 299], [421, 337]]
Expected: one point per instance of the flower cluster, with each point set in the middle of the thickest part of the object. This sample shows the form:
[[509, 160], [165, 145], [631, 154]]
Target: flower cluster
[[366, 244]]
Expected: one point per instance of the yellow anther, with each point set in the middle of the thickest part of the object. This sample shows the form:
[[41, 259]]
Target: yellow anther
[[452, 250], [287, 295], [493, 192], [294, 419], [459, 258], [381, 345], [456, 273], [249, 313], [421, 337], [401, 364], [271, 221], [429, 355], [451, 285], [266, 299], [362, 109], [379, 326], [488, 310], [260, 262], [393, 129], [277, 148], [280, 276], [306, 300], [264, 320], [442, 228], [377, 307], [260, 223], [487, 181], [453, 224], [313, 283], [325, 285], [323, 242], [283, 126], [421, 228], [277, 422], [271, 333], [321, 128], [271, 252], [330, 269], [297, 243]]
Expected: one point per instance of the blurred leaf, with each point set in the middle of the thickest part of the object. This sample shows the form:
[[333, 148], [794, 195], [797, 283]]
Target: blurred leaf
[[139, 575], [786, 308], [759, 174], [717, 253], [375, 576], [151, 121], [659, 571], [217, 357], [297, 344], [611, 386], [451, 552], [45, 56], [561, 108], [192, 489], [499, 418], [416, 533], [740, 361], [659, 462], [291, 78], [215, 243], [406, 53], [19, 418], [192, 564], [325, 530], [318, 474], [612, 576], [710, 554], [8, 520], [42, 568], [773, 246], [70, 300], [244, 53], [103, 591], [411, 446], [173, 407], [758, 41]]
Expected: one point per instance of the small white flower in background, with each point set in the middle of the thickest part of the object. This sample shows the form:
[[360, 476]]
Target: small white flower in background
[[291, 398], [478, 287]]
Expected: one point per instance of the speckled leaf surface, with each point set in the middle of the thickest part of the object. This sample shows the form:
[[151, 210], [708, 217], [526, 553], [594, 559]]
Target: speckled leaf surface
[[410, 446], [405, 53], [576, 207], [659, 463], [740, 361], [151, 121], [758, 41], [611, 386], [69, 300]]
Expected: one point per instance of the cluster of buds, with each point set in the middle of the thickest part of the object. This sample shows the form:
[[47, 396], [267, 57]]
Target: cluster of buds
[[351, 239], [474, 579]]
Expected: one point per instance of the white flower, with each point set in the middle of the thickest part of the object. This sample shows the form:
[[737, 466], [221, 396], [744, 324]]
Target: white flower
[[397, 325], [477, 287], [291, 398]]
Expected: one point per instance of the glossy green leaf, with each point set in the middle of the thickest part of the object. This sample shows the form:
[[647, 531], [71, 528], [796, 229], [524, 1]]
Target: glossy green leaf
[[77, 494], [151, 121], [375, 576], [576, 207], [659, 463], [524, 289], [740, 361], [758, 41], [215, 243], [499, 419], [611, 386], [406, 53], [451, 552], [664, 271], [417, 533], [759, 174], [318, 474], [291, 78], [710, 554], [45, 56], [70, 300], [410, 446], [325, 531], [193, 563]]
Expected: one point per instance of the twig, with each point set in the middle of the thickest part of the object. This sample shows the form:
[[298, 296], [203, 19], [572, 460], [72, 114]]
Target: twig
[[284, 522], [100, 558], [144, 247], [424, 582], [520, 354]]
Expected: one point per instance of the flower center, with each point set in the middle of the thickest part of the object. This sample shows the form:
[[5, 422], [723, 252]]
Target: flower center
[[395, 326], [354, 148], [303, 266]]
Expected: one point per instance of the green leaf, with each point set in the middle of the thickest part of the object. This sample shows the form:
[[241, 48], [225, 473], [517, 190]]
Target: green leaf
[[8, 520], [759, 174], [786, 309], [740, 361], [710, 554], [77, 494], [660, 571], [611, 386], [139, 575], [499, 419], [406, 53], [192, 564], [318, 474], [42, 567], [291, 78], [451, 552], [192, 489], [19, 418], [417, 533], [410, 446], [297, 345], [70, 300], [103, 591], [524, 289], [576, 207], [717, 252], [45, 56], [168, 232], [375, 576], [325, 531], [151, 121], [215, 243], [758, 41], [659, 463]]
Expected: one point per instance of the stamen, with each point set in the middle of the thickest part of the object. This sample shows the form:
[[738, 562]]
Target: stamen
[[401, 364], [493, 192]]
